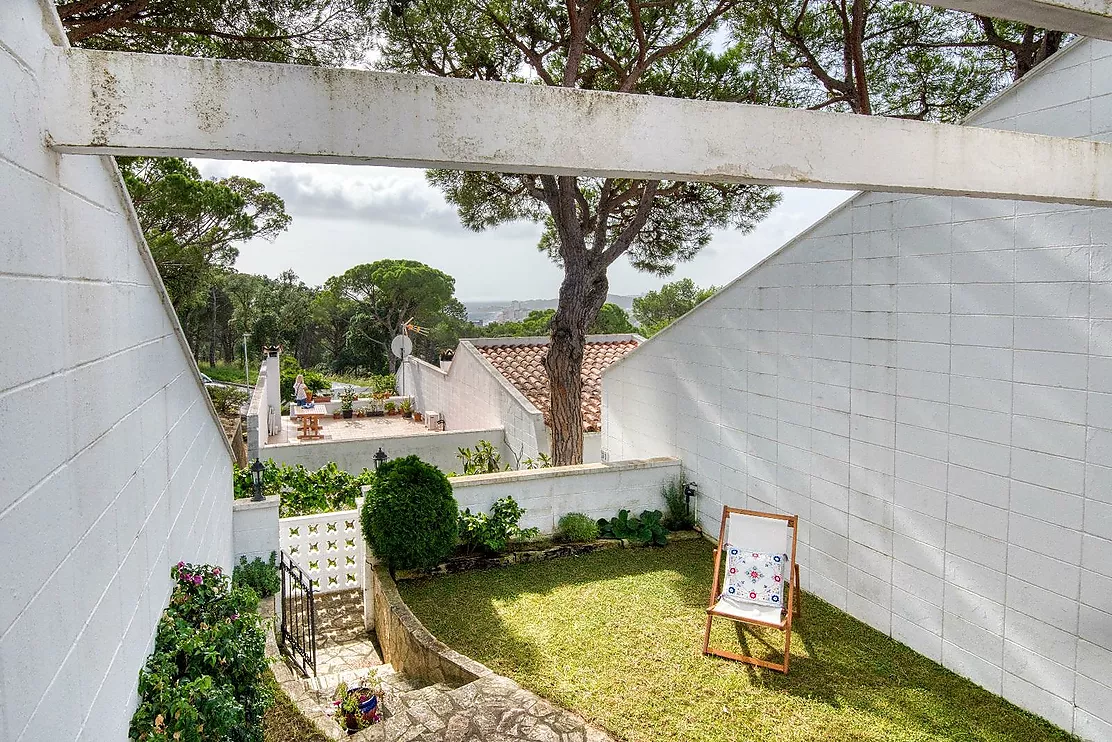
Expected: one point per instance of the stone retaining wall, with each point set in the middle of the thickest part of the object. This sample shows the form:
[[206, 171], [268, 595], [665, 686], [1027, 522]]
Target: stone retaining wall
[[407, 644]]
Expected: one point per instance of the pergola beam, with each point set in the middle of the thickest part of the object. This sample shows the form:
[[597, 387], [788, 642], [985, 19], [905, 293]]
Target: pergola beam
[[1085, 17], [136, 104]]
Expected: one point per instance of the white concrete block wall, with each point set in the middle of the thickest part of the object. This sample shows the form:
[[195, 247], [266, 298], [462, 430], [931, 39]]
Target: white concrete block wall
[[255, 528], [598, 490], [114, 464], [474, 394], [439, 449], [927, 382]]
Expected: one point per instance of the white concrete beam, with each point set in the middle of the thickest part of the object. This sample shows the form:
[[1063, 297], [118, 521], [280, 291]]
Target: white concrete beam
[[114, 103], [1085, 17]]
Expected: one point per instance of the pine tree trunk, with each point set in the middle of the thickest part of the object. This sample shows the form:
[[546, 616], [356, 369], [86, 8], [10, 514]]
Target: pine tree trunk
[[582, 295]]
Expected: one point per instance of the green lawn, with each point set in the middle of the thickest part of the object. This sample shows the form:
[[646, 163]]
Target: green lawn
[[616, 636]]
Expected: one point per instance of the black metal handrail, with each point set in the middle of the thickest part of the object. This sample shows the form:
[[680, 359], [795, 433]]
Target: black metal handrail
[[299, 618]]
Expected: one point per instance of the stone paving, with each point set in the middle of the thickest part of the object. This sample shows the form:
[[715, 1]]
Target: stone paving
[[490, 709], [356, 428]]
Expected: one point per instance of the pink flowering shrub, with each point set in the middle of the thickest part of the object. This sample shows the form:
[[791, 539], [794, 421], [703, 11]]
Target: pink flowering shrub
[[203, 682]]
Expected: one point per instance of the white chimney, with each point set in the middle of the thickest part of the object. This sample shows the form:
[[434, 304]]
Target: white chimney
[[273, 387]]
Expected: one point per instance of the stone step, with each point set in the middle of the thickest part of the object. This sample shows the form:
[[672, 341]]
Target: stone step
[[392, 683]]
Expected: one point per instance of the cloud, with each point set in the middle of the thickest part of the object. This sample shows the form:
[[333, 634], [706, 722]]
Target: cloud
[[380, 196]]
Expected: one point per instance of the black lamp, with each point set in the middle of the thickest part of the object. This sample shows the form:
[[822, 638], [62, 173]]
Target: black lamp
[[257, 480], [690, 490], [380, 457]]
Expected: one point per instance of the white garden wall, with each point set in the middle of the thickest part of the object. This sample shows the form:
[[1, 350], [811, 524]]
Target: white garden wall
[[439, 449], [927, 382], [115, 466], [474, 394], [597, 490]]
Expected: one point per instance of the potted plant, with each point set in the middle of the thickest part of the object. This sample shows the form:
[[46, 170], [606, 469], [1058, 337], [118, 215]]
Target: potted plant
[[391, 408], [361, 412], [418, 417], [337, 413], [377, 408], [347, 402], [356, 708], [407, 407]]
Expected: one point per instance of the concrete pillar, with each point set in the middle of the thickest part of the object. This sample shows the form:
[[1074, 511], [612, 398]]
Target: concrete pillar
[[255, 528]]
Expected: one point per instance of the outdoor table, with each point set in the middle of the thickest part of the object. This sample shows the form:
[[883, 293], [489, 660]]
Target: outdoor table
[[308, 422]]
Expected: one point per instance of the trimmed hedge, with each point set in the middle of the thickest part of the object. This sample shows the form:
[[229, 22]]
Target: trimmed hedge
[[410, 515]]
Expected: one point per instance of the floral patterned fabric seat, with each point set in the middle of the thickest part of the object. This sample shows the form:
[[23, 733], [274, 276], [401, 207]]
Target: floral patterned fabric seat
[[754, 577]]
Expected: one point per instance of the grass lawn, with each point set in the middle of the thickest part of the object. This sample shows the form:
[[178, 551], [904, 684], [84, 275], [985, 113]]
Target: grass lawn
[[284, 722], [616, 636]]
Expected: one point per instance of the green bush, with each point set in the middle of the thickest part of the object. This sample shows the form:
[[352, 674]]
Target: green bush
[[204, 681], [260, 576], [410, 516], [576, 528], [485, 459], [491, 532], [677, 518], [304, 492], [227, 399], [647, 529], [290, 369]]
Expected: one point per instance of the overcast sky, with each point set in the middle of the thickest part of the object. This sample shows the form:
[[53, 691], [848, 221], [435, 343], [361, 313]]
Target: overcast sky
[[346, 215]]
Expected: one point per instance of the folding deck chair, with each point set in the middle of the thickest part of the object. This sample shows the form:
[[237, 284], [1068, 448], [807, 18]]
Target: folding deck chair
[[761, 581]]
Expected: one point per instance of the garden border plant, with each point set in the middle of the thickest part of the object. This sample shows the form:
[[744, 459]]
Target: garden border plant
[[205, 680], [490, 533], [305, 492], [260, 576]]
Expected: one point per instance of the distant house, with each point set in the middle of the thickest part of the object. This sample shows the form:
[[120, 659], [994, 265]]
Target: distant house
[[501, 382]]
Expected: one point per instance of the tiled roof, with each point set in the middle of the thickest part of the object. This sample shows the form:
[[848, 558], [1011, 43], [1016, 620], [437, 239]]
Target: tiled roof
[[523, 366]]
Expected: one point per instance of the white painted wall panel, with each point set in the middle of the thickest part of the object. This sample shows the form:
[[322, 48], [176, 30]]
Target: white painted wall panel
[[439, 449], [599, 490], [115, 465], [926, 382]]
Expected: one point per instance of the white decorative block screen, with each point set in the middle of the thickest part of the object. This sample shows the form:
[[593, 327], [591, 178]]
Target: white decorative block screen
[[328, 546]]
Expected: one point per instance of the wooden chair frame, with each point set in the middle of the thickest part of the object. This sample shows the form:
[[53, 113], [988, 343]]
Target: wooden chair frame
[[791, 610]]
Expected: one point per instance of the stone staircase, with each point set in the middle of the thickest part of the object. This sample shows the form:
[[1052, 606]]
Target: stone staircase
[[491, 708]]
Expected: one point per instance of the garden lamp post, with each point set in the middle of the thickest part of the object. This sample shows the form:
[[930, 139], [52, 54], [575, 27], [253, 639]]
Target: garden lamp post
[[257, 480], [380, 457]]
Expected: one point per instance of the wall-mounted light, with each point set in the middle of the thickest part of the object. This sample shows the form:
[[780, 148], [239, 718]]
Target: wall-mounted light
[[690, 492], [257, 480]]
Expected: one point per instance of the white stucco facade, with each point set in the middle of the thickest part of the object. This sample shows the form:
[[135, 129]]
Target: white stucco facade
[[927, 382], [471, 394], [115, 466]]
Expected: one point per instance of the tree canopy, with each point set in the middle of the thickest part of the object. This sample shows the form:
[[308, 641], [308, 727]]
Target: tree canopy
[[657, 309], [630, 47], [328, 32], [883, 57], [388, 294], [192, 225]]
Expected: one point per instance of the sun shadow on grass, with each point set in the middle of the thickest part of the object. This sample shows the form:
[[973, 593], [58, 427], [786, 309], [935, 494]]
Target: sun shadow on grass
[[617, 636]]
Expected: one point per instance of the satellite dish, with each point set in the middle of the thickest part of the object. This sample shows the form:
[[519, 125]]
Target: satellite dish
[[401, 346]]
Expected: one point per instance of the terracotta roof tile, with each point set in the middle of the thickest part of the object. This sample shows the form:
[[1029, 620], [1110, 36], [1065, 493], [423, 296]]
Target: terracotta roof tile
[[523, 366]]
